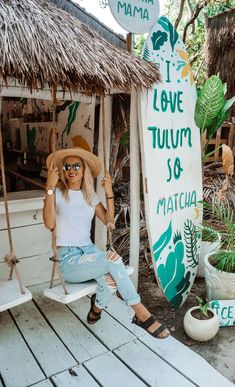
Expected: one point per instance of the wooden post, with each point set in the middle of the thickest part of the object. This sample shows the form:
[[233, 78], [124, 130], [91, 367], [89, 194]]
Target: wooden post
[[134, 189], [100, 228]]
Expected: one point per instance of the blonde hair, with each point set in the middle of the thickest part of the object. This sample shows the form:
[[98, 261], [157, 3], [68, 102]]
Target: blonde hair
[[87, 185]]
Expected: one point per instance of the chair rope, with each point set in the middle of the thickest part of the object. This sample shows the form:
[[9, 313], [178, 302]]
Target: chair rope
[[110, 225], [10, 258], [55, 266]]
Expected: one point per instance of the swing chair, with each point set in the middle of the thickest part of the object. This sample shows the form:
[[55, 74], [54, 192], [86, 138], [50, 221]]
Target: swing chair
[[69, 292], [12, 291]]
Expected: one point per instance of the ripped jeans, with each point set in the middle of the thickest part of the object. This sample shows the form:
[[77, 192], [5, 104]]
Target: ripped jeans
[[80, 264]]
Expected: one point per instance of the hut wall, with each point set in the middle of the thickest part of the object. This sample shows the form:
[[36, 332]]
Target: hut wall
[[75, 121], [220, 49]]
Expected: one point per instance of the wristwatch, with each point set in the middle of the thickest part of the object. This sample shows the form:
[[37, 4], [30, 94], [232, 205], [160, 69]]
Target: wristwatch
[[50, 191]]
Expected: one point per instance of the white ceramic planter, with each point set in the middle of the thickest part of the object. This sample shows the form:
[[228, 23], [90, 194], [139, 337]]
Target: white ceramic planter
[[200, 330], [220, 284], [207, 248]]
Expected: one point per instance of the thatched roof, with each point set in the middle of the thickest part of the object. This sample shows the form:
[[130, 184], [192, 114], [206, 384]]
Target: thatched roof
[[41, 44], [90, 20], [220, 47]]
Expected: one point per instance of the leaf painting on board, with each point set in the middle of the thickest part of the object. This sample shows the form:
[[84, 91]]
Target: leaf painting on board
[[172, 274], [190, 238], [158, 39], [72, 115], [168, 27]]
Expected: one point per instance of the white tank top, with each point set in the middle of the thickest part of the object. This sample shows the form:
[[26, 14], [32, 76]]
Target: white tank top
[[73, 219]]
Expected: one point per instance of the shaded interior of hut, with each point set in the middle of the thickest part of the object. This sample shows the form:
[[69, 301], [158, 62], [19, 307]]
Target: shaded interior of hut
[[27, 130]]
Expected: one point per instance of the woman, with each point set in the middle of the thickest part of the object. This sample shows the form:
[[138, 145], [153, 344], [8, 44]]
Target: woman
[[80, 260]]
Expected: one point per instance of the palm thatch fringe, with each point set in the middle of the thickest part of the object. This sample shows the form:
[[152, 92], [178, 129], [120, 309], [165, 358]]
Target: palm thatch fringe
[[220, 47], [41, 44]]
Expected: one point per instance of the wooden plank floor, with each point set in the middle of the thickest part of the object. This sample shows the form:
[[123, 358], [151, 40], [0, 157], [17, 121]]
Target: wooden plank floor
[[45, 344]]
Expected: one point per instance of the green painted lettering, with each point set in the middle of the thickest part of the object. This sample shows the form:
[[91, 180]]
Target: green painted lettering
[[230, 315], [155, 100], [153, 129], [161, 203], [184, 133], [193, 199], [120, 5], [169, 169], [181, 200], [170, 207], [176, 143], [168, 71], [145, 15], [128, 10], [179, 101], [177, 168]]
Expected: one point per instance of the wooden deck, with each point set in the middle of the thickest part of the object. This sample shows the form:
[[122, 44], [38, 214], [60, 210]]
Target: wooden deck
[[44, 343]]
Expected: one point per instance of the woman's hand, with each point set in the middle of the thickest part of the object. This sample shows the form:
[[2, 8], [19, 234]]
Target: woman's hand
[[107, 184], [52, 175]]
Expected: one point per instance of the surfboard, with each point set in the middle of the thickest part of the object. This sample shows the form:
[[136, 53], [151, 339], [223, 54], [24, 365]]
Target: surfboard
[[171, 164]]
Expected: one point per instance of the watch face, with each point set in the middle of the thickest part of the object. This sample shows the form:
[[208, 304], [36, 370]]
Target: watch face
[[50, 192]]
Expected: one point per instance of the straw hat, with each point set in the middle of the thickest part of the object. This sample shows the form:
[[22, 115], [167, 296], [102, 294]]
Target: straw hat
[[93, 161]]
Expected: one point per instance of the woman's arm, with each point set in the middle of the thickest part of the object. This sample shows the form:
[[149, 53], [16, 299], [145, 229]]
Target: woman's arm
[[100, 211], [49, 208]]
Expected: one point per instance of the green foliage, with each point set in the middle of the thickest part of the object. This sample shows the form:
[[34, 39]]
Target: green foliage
[[222, 216], [211, 109], [209, 103], [125, 139], [203, 307], [139, 44]]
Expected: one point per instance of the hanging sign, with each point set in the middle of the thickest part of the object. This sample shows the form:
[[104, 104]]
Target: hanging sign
[[136, 16], [171, 158], [225, 310]]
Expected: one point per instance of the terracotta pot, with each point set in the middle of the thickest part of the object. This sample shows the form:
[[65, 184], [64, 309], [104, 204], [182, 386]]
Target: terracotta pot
[[200, 330], [220, 284]]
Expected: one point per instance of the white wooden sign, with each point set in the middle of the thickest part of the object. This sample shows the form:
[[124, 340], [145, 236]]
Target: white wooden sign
[[171, 157], [225, 310], [136, 16]]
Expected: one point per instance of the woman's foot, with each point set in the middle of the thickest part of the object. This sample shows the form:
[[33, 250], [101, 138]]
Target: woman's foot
[[94, 313], [152, 326]]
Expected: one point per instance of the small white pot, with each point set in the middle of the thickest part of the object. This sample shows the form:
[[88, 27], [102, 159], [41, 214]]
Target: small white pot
[[207, 248], [220, 285], [200, 330]]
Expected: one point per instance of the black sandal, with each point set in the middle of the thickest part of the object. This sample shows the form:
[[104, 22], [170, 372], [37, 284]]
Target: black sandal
[[146, 324], [97, 315]]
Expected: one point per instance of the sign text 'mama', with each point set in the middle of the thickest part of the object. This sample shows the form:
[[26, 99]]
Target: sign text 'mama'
[[129, 10]]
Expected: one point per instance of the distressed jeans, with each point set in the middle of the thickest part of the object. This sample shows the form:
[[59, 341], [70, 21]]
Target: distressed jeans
[[80, 264]]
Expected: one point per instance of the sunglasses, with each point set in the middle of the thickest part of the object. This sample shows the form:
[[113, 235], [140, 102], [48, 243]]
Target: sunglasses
[[68, 167]]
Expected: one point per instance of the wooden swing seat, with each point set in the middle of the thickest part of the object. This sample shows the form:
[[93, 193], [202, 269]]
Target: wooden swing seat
[[10, 294], [75, 291]]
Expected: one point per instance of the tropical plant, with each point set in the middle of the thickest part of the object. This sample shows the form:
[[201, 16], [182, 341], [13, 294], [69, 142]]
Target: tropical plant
[[202, 307], [211, 110], [221, 215]]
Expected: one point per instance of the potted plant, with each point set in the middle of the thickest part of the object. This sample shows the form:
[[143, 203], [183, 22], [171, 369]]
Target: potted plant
[[220, 265], [201, 323], [211, 242]]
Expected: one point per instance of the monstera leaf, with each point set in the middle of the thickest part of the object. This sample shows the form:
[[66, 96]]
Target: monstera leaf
[[168, 27], [158, 39], [162, 242], [181, 288], [209, 103], [172, 275]]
